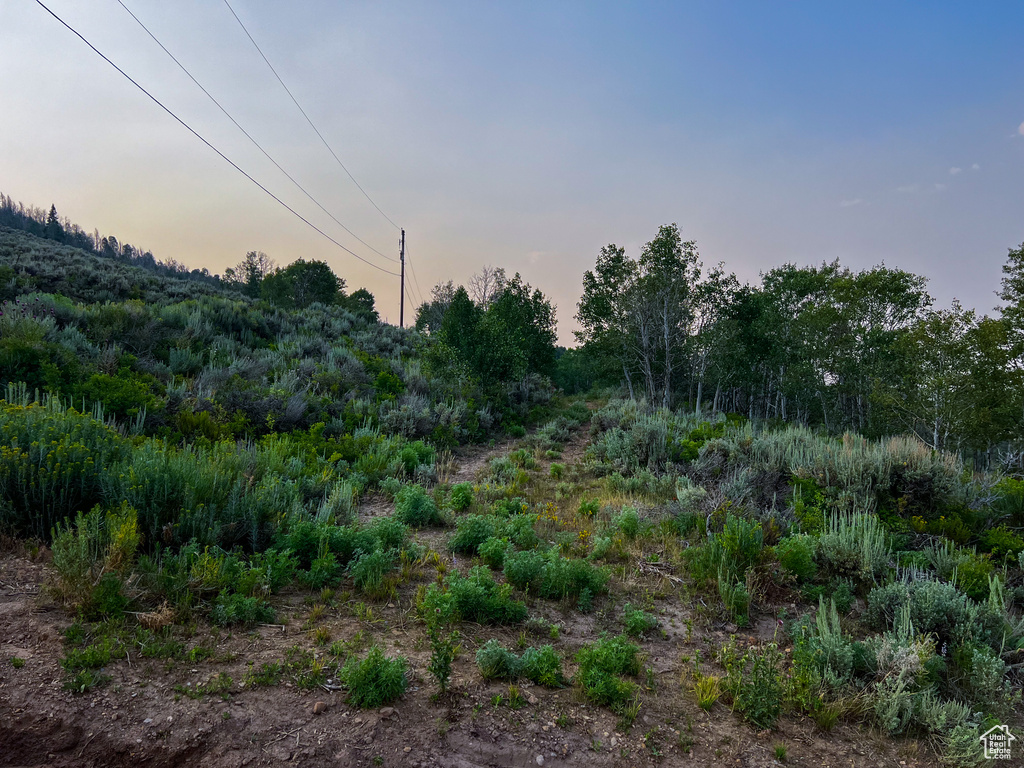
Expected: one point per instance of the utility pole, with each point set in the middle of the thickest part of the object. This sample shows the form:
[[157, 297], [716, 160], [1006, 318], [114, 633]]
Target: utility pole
[[401, 305]]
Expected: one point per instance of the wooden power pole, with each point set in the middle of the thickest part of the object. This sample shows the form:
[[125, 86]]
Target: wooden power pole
[[401, 305]]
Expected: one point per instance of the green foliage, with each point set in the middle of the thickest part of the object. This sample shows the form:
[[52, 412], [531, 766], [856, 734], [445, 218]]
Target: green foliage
[[541, 665], [637, 622], [856, 546], [754, 679], [628, 522], [415, 507], [552, 576], [234, 609], [375, 680], [53, 461], [461, 496], [443, 648], [475, 597], [796, 556], [601, 665], [470, 532], [493, 552]]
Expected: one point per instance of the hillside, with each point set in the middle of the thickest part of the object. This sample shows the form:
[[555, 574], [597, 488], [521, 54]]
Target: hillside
[[242, 531]]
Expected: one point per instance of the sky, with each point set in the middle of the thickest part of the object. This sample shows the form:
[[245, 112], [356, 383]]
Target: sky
[[529, 134]]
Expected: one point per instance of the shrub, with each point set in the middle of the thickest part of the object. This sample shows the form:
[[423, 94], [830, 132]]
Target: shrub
[[556, 470], [796, 556], [971, 575], [543, 666], [637, 621], [92, 555], [589, 507], [230, 609], [475, 597], [470, 532], [443, 647], [741, 541], [53, 461], [600, 666], [494, 551], [854, 545], [461, 496], [375, 680], [628, 521], [496, 663], [369, 570], [415, 507], [755, 682], [523, 569]]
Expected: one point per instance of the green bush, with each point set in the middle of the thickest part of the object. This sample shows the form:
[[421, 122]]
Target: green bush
[[628, 522], [231, 609], [461, 496], [971, 575], [415, 507], [53, 461], [494, 551], [741, 542], [543, 666], [368, 572], [523, 569], [475, 597], [1003, 543], [375, 680], [601, 665], [796, 556], [755, 682], [637, 621], [470, 532], [496, 663], [854, 545]]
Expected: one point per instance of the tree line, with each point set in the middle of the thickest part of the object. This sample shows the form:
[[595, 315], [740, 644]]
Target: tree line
[[821, 345]]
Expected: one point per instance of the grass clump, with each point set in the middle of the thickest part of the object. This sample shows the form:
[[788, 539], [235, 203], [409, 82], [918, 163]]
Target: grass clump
[[235, 609]]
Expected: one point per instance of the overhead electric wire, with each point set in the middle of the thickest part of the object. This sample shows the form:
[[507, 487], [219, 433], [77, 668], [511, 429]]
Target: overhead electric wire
[[191, 130], [412, 271], [308, 120], [248, 136]]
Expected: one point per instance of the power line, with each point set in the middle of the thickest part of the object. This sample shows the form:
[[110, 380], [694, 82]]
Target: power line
[[412, 269], [308, 120], [248, 136], [191, 130]]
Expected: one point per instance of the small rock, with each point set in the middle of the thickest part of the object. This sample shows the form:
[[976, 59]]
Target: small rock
[[358, 721], [614, 741], [540, 759], [319, 707], [387, 712], [532, 700], [147, 721], [407, 749]]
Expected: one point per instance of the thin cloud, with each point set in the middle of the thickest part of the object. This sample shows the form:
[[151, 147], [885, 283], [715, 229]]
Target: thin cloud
[[850, 203], [954, 171], [909, 188], [1020, 129], [975, 167], [939, 187]]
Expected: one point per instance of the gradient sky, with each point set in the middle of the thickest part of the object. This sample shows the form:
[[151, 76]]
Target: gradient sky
[[528, 135]]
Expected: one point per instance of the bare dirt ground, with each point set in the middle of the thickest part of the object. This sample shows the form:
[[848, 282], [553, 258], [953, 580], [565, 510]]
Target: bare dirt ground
[[140, 719]]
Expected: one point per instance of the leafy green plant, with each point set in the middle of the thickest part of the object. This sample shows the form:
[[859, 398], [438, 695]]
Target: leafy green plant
[[375, 680], [461, 496], [637, 621], [415, 507]]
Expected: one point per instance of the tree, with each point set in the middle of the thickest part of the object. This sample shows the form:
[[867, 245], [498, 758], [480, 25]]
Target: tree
[[486, 285], [54, 230], [1013, 294], [249, 273], [361, 304], [430, 314], [302, 283]]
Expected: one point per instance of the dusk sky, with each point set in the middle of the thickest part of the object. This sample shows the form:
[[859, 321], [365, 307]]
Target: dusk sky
[[527, 135]]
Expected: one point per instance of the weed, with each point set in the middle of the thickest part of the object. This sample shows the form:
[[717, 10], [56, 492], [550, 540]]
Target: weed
[[17, 662], [708, 689], [374, 680]]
